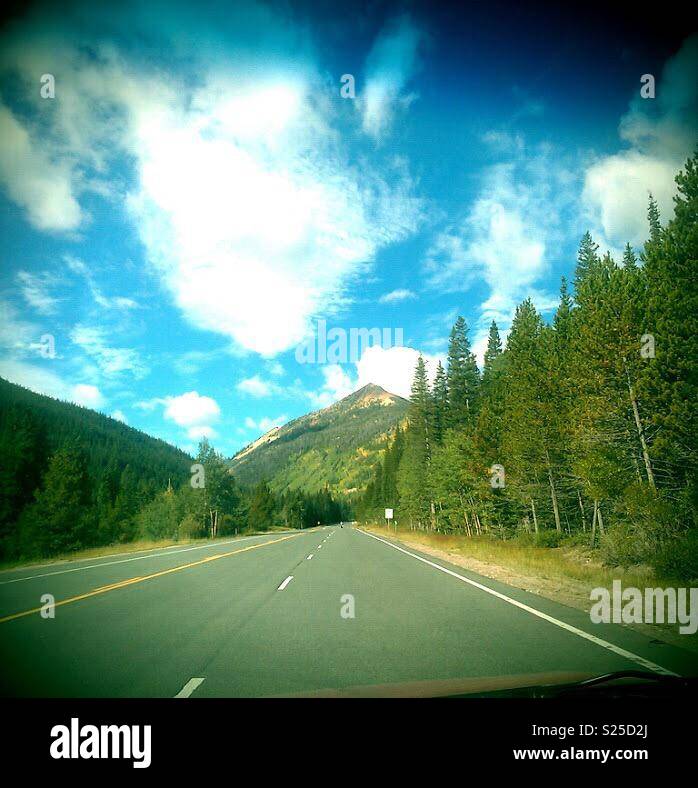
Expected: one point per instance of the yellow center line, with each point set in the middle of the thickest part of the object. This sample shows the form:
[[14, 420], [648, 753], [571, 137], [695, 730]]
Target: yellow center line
[[133, 580]]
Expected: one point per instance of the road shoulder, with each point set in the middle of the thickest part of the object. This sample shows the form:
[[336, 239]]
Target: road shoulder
[[564, 591]]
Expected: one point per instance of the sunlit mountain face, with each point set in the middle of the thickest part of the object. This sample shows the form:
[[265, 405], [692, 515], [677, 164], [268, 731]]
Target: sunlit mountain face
[[337, 447], [219, 217]]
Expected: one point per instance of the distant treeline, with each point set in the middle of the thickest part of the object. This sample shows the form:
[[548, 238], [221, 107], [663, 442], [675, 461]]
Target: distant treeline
[[71, 478], [211, 503], [582, 430]]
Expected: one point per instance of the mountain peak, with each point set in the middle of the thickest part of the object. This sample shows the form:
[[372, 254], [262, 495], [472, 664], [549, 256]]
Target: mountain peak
[[335, 447], [371, 388], [371, 392]]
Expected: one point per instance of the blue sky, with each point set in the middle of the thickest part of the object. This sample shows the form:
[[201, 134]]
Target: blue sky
[[199, 193]]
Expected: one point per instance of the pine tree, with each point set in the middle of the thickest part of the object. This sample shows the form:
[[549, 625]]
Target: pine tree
[[421, 409], [488, 431], [61, 519], [415, 498], [294, 510], [523, 440], [588, 264], [562, 321], [262, 508], [556, 398], [654, 222], [22, 462], [669, 380], [462, 377], [391, 464], [494, 348], [377, 501], [439, 404], [629, 258], [610, 449]]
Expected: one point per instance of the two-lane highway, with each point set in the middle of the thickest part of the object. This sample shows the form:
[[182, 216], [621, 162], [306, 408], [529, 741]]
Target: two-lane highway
[[325, 610]]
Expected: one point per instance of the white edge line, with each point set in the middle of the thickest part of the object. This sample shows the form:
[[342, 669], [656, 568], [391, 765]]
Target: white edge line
[[645, 663], [309, 557], [285, 583], [189, 687]]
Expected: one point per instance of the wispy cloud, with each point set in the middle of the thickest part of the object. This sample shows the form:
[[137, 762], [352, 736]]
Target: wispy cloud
[[504, 241], [35, 290], [192, 361], [256, 387], [17, 334], [112, 361], [391, 63], [395, 296], [77, 266]]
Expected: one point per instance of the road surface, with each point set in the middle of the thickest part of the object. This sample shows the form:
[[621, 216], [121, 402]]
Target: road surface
[[272, 615]]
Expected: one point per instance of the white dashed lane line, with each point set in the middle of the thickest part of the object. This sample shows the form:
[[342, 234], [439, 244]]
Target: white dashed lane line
[[285, 583], [189, 687]]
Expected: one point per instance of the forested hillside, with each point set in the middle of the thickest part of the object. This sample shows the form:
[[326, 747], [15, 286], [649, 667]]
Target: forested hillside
[[91, 473], [73, 478], [582, 429]]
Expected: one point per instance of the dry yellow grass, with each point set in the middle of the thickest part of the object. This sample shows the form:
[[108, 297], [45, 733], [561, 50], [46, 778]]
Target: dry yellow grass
[[575, 563]]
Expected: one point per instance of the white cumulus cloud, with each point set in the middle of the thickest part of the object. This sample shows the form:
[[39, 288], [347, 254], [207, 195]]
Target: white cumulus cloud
[[87, 395], [191, 410], [660, 134], [337, 385], [393, 368], [34, 180], [242, 191]]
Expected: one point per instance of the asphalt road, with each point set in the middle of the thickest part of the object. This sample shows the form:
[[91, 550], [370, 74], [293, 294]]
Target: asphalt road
[[224, 619]]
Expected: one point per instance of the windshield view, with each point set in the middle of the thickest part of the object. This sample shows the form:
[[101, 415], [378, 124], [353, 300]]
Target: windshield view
[[346, 351]]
